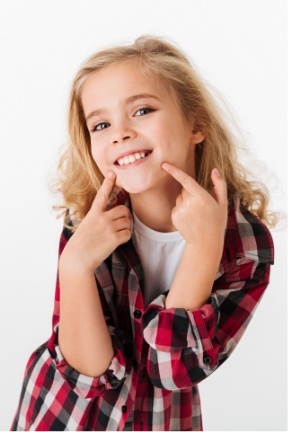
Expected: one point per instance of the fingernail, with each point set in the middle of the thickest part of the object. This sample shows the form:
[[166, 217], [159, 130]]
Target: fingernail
[[165, 166], [217, 172]]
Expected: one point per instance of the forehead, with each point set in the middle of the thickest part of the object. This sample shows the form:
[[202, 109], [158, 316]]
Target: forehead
[[119, 81]]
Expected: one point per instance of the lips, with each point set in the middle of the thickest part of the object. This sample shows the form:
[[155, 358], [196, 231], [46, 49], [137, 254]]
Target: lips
[[132, 157]]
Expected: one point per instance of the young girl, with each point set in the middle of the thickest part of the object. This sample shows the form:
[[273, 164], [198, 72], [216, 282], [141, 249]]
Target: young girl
[[164, 256]]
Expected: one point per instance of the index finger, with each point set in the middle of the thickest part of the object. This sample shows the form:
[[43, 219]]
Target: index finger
[[188, 183], [102, 197]]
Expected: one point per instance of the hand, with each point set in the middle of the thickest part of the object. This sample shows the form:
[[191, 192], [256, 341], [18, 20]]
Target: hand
[[100, 232], [200, 218]]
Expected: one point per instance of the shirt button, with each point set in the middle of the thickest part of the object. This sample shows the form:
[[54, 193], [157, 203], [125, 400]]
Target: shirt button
[[207, 360], [137, 313], [124, 409]]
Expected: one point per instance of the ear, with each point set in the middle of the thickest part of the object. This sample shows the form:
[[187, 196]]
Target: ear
[[197, 137]]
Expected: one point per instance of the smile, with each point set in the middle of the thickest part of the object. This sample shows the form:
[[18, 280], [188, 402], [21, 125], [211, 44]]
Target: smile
[[132, 158]]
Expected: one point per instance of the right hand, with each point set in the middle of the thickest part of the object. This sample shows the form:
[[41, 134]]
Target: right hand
[[100, 232]]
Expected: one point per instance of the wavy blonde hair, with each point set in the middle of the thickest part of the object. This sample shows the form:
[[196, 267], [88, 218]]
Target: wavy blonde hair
[[79, 176]]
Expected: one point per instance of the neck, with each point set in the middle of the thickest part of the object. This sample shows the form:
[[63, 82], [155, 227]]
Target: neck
[[154, 209]]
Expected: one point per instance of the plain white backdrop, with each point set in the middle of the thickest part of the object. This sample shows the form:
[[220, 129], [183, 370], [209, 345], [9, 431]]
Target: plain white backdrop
[[240, 47]]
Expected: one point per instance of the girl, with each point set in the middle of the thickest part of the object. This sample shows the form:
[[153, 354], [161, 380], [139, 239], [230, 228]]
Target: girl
[[164, 255]]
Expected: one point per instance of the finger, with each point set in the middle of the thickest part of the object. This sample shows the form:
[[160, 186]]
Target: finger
[[119, 212], [122, 224], [220, 187], [179, 200], [123, 236], [188, 183], [102, 197]]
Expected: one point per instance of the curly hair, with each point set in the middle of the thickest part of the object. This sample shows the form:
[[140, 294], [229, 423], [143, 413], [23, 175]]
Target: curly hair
[[79, 176]]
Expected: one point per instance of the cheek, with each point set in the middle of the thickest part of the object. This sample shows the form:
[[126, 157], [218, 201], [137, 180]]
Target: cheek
[[100, 159], [97, 156]]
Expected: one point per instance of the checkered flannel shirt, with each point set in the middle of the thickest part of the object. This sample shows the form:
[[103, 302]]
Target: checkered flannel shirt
[[160, 354]]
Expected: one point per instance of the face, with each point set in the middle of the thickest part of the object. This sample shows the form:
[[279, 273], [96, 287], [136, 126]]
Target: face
[[135, 125]]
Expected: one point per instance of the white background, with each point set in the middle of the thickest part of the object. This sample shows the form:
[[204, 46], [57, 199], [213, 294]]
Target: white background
[[239, 46]]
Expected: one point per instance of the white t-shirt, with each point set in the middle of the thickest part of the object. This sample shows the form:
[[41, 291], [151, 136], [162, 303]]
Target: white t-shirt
[[160, 255]]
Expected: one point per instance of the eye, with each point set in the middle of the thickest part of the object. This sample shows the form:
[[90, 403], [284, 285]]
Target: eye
[[143, 111], [100, 126]]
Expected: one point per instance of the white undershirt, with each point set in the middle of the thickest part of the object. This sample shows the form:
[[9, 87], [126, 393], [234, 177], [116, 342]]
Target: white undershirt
[[160, 255]]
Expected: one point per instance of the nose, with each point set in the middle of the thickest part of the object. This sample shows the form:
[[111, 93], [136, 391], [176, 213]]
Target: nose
[[123, 133], [120, 138]]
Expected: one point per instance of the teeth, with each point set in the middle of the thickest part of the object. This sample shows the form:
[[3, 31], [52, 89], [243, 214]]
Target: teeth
[[131, 158], [126, 160]]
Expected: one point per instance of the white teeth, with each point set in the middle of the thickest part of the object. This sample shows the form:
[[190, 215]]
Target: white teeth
[[131, 158], [126, 160]]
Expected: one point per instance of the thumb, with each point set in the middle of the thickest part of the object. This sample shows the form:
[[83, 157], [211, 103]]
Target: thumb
[[220, 187]]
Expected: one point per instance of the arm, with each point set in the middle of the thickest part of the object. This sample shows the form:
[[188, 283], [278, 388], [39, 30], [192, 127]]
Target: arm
[[201, 219], [186, 346], [193, 282], [83, 333], [192, 331]]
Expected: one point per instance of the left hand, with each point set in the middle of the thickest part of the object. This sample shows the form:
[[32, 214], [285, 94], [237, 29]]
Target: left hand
[[200, 218]]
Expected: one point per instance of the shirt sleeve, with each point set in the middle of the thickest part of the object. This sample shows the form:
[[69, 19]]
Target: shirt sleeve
[[187, 346], [55, 396]]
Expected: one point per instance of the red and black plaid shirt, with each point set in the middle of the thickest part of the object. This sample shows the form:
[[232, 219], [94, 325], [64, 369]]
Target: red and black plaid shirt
[[160, 354]]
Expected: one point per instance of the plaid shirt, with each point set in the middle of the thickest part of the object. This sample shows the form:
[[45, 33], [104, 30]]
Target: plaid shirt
[[160, 354]]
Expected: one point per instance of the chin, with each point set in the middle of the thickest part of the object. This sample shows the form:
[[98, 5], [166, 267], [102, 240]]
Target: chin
[[135, 184], [133, 189]]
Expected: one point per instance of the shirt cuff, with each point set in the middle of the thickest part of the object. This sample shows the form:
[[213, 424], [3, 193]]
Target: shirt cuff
[[90, 387], [172, 329]]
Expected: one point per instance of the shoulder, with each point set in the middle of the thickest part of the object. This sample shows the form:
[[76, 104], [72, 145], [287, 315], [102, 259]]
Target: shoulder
[[66, 233], [247, 236]]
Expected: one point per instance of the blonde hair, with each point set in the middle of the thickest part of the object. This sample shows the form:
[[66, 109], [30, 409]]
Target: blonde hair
[[79, 176]]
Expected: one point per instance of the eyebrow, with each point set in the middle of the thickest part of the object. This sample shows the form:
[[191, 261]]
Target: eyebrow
[[128, 100]]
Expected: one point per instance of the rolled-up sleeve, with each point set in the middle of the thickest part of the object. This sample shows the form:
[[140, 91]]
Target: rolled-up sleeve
[[91, 387], [187, 346]]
